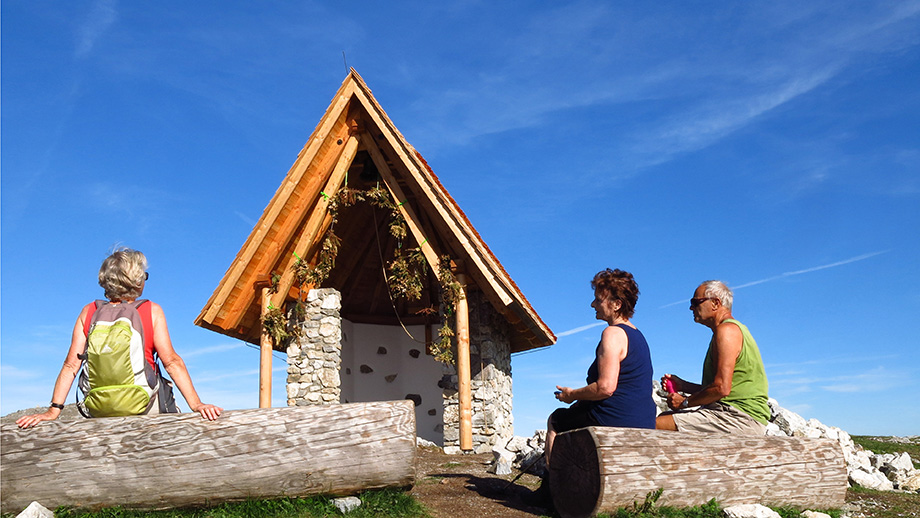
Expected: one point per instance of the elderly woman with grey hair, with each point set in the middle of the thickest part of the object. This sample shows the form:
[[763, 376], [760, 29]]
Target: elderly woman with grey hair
[[123, 276]]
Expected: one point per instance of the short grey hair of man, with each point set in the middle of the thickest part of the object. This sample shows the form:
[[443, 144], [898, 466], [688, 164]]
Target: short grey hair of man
[[122, 274], [719, 290]]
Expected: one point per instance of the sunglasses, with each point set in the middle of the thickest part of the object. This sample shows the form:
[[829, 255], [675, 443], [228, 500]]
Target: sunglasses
[[696, 302], [146, 276]]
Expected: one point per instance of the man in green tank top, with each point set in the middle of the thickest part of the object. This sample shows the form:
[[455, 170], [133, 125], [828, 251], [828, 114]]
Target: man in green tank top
[[733, 394]]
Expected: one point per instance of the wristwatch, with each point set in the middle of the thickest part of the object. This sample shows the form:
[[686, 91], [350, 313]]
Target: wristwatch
[[57, 405], [685, 403]]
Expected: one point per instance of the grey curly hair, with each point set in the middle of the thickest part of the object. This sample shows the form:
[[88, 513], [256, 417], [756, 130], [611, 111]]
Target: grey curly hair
[[122, 274]]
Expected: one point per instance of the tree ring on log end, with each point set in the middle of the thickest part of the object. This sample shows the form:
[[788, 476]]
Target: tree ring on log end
[[574, 474]]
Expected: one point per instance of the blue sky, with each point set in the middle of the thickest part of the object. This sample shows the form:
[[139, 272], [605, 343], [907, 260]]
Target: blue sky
[[773, 145]]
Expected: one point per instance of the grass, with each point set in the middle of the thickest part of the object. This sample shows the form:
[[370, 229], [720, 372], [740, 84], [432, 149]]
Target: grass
[[387, 503], [882, 445], [885, 504], [711, 509]]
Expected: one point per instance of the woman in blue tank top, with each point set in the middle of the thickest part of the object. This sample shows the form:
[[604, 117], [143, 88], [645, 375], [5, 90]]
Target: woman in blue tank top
[[619, 383]]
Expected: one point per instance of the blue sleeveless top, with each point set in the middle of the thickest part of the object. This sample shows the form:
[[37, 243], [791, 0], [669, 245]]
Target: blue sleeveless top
[[631, 405]]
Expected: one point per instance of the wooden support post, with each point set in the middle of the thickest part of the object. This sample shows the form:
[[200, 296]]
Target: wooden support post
[[463, 367], [265, 359]]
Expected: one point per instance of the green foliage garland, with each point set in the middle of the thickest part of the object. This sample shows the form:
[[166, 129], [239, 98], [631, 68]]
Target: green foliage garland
[[405, 272]]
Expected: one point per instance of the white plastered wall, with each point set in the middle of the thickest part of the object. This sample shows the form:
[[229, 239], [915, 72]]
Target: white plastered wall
[[363, 345]]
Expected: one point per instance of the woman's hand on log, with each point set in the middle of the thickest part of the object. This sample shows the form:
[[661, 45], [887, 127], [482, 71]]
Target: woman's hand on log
[[564, 394], [209, 412], [28, 421]]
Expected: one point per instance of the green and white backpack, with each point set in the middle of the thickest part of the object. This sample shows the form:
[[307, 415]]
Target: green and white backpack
[[119, 375]]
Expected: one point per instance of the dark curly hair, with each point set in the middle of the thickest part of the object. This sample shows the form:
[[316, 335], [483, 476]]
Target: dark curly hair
[[618, 285]]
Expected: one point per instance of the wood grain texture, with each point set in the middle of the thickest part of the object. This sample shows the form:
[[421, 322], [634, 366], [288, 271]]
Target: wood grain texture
[[599, 469], [174, 460]]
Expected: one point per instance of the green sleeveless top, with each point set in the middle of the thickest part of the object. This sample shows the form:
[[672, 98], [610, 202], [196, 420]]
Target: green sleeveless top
[[749, 381]]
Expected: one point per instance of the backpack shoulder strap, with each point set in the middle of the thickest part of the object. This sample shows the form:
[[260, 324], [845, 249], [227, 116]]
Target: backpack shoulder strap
[[91, 310], [144, 309]]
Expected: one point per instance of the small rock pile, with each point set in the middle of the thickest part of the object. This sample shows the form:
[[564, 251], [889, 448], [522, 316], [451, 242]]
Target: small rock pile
[[523, 453], [885, 472]]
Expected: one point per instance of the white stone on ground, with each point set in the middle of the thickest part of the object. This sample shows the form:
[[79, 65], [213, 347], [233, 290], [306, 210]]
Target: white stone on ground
[[35, 510], [424, 442], [346, 504], [750, 511]]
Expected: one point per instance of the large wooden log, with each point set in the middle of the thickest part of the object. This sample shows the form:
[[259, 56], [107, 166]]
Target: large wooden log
[[599, 469], [175, 460]]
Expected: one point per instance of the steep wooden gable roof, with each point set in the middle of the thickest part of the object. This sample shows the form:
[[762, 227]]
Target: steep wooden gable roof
[[355, 144]]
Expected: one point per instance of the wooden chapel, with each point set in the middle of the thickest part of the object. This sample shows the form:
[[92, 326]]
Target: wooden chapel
[[356, 146]]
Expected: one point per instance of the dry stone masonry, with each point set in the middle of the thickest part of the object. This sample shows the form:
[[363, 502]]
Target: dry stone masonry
[[490, 387], [315, 358]]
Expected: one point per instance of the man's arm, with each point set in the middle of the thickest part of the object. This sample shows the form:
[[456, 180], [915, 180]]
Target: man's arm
[[728, 341]]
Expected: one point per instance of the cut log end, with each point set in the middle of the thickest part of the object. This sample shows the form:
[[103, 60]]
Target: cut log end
[[574, 480]]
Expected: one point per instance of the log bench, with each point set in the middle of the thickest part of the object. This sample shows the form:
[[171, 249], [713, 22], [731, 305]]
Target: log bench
[[177, 460], [599, 469]]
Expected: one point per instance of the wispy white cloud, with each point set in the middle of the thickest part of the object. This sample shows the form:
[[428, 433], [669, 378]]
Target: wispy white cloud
[[809, 270], [792, 274], [827, 361], [13, 373], [246, 219], [579, 329], [101, 17], [138, 204], [706, 124], [878, 379]]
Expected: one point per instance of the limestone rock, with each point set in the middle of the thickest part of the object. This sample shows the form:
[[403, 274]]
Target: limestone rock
[[501, 462], [870, 480], [896, 466], [912, 484], [424, 442], [346, 504], [750, 511], [814, 514], [516, 444], [773, 430], [790, 423], [35, 510]]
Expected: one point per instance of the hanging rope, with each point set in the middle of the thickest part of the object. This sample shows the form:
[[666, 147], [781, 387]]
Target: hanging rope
[[386, 279]]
